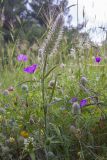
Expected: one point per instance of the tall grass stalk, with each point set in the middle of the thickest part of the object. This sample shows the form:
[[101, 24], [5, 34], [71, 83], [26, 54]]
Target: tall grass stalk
[[43, 54]]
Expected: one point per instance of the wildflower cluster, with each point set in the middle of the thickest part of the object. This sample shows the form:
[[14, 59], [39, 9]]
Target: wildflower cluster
[[30, 69]]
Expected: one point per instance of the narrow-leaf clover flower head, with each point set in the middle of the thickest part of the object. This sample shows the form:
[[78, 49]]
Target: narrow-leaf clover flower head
[[76, 108], [31, 69], [83, 80], [83, 102], [6, 92], [98, 59], [73, 129], [22, 57], [24, 87]]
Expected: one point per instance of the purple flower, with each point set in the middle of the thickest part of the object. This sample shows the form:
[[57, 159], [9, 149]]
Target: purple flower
[[97, 59], [83, 102], [74, 99], [22, 57], [31, 69]]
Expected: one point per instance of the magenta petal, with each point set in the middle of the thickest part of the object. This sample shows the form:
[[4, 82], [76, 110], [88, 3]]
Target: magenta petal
[[83, 102], [22, 57], [74, 99], [31, 69], [97, 59]]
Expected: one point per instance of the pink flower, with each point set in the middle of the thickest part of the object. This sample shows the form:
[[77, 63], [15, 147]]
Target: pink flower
[[22, 57], [31, 69], [97, 59], [83, 102]]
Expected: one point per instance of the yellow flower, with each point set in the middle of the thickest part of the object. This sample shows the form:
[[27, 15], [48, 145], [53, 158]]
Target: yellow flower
[[24, 134], [11, 140]]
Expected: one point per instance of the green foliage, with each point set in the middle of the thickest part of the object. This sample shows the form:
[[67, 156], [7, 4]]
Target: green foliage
[[37, 120], [22, 110], [34, 32]]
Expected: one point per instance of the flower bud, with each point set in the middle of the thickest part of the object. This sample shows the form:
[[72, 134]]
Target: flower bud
[[52, 83], [73, 129], [74, 99], [76, 108], [50, 155], [31, 120], [11, 88], [25, 87], [62, 65], [83, 81], [6, 92]]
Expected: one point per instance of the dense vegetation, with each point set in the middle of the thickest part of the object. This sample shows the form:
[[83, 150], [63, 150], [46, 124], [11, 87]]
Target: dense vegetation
[[53, 85]]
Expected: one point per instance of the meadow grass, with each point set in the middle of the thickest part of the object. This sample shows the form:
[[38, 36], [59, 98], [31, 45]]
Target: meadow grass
[[38, 118], [22, 115]]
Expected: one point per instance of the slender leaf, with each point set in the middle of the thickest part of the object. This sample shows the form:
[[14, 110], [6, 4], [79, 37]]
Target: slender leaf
[[47, 74]]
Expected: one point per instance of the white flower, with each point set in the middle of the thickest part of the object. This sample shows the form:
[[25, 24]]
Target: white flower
[[27, 142]]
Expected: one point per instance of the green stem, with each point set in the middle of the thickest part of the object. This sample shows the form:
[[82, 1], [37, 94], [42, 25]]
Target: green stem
[[43, 94], [44, 106], [81, 150]]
